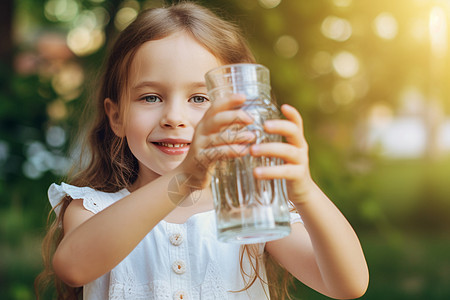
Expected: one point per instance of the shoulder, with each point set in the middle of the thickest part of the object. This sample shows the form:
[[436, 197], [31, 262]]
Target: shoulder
[[93, 200]]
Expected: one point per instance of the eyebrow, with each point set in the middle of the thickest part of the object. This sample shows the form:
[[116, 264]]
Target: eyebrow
[[146, 84], [142, 84]]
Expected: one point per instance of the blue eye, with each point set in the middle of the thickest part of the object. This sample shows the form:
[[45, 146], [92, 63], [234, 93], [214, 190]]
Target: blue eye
[[199, 99], [151, 98]]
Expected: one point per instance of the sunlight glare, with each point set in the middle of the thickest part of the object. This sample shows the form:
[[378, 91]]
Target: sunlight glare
[[406, 137], [438, 31]]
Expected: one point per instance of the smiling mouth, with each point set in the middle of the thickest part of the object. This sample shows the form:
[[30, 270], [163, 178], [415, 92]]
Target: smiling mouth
[[169, 145]]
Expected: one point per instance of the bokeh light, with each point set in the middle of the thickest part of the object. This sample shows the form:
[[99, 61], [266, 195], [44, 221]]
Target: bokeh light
[[385, 26], [68, 81], [57, 110], [40, 160], [346, 64], [286, 46], [61, 10], [124, 17], [83, 41], [55, 136], [269, 3], [4, 151], [337, 29]]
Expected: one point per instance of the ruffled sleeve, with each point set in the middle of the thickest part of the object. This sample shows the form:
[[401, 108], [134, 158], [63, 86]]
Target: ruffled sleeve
[[93, 200]]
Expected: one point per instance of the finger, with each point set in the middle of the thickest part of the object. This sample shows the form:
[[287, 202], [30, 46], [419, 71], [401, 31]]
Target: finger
[[286, 171], [232, 101], [291, 131], [230, 118], [232, 136], [288, 153], [292, 114], [210, 155]]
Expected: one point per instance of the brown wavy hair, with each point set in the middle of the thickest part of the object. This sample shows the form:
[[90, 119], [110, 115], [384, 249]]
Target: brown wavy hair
[[107, 163]]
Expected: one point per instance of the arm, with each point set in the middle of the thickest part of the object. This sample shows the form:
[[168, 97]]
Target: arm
[[94, 244], [325, 252]]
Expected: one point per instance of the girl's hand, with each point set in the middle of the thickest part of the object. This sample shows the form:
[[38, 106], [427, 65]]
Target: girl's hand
[[219, 134], [294, 154]]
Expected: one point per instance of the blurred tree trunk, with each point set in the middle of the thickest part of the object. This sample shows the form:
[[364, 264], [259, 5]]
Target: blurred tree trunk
[[6, 41]]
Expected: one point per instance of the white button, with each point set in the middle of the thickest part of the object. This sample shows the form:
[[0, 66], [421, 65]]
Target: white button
[[176, 239], [180, 295], [179, 267]]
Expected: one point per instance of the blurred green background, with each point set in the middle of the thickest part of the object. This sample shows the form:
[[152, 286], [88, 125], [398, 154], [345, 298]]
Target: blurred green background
[[369, 77]]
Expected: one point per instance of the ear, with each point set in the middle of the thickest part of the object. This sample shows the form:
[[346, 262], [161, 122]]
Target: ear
[[112, 111]]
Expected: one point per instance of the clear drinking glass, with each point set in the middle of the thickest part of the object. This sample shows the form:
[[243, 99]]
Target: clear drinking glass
[[248, 210]]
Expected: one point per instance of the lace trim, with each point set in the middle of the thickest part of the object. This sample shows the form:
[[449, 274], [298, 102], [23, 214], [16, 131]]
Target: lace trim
[[159, 290], [130, 289], [212, 287]]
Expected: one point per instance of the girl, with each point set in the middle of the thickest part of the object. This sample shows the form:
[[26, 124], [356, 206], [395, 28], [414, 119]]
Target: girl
[[119, 232]]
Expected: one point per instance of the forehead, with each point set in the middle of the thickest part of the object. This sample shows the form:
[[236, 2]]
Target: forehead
[[177, 58]]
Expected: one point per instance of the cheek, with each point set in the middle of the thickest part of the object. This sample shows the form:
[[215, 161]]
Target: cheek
[[197, 115], [140, 123]]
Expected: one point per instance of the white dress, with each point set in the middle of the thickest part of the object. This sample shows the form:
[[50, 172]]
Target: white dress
[[173, 261]]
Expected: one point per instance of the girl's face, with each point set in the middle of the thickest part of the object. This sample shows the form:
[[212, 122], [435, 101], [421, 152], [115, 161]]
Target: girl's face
[[167, 100]]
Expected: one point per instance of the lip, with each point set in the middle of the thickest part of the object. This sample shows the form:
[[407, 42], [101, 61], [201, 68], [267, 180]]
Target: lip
[[172, 150]]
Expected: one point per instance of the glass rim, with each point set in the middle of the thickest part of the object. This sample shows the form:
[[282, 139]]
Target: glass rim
[[255, 66]]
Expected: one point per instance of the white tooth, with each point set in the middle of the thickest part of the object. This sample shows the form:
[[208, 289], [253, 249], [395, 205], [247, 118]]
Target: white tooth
[[173, 145]]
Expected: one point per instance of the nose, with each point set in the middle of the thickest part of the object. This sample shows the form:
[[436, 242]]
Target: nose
[[173, 116]]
